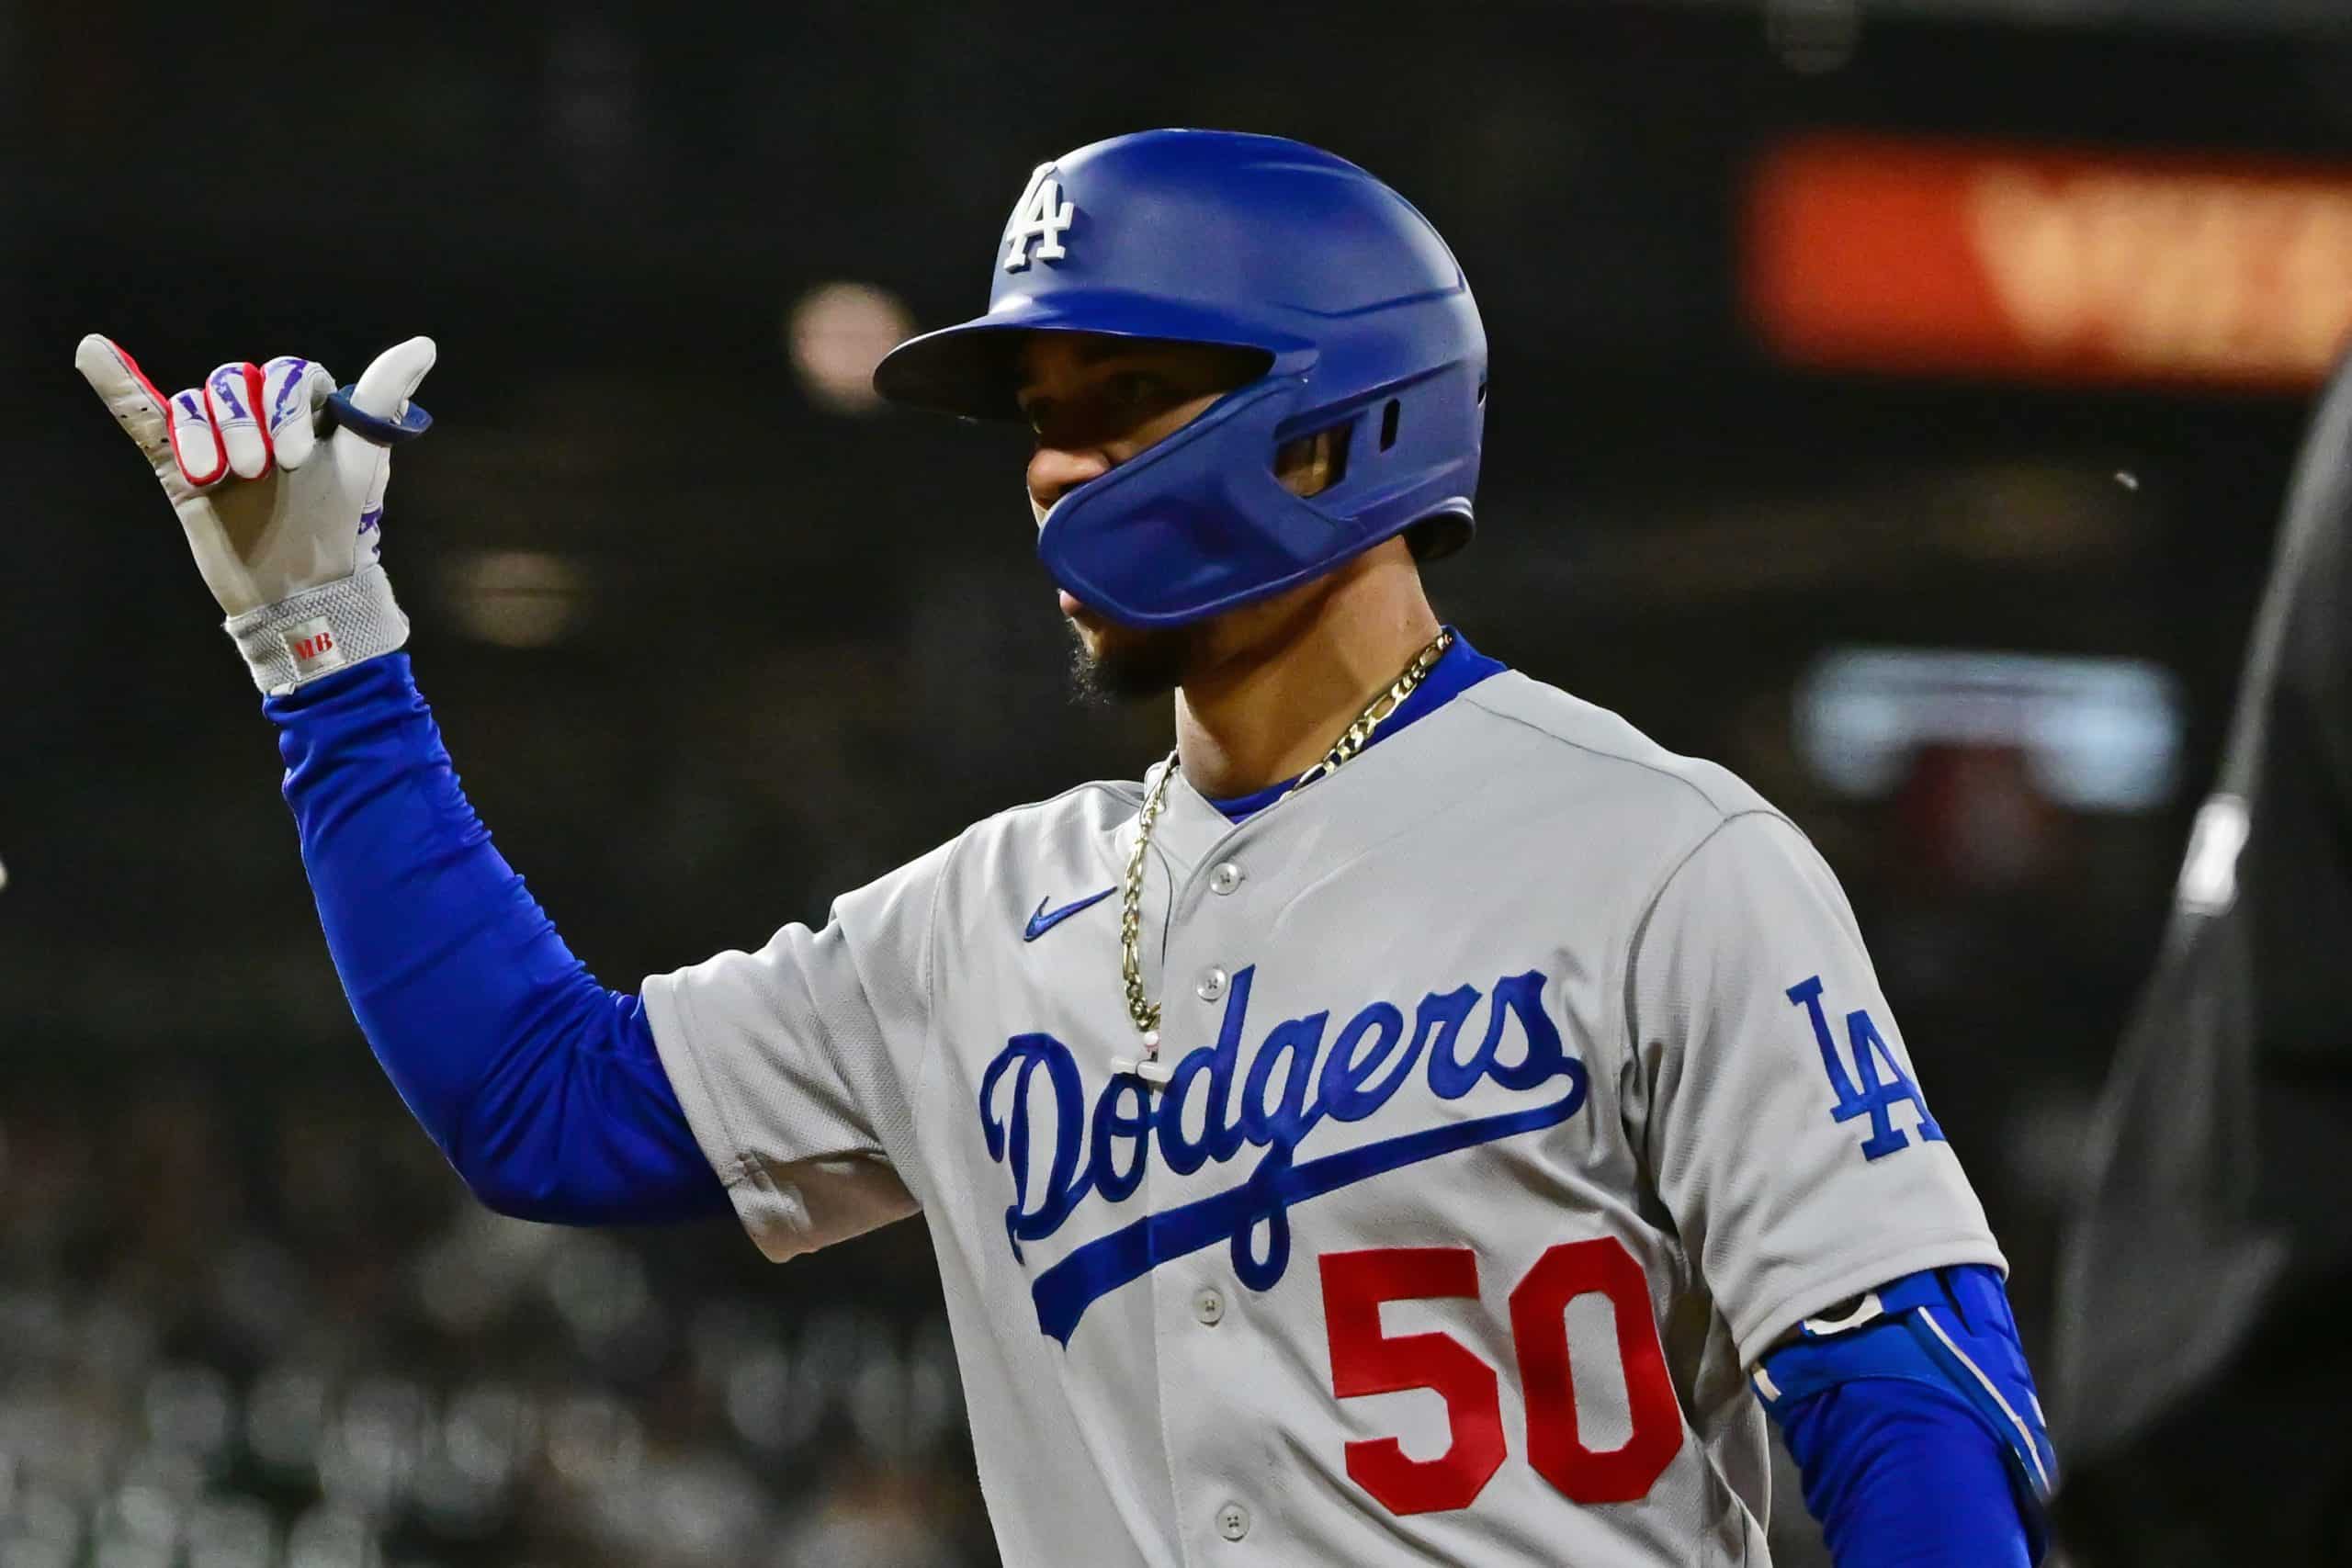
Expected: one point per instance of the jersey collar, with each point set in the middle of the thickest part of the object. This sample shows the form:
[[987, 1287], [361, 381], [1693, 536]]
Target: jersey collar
[[1461, 667]]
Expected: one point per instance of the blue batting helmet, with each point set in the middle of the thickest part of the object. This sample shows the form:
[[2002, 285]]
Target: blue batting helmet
[[1257, 243]]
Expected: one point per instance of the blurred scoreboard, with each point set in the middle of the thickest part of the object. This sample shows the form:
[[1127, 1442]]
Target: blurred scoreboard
[[1914, 256]]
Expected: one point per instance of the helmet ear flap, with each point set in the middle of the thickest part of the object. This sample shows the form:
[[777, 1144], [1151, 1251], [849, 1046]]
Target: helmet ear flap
[[1434, 538], [1399, 423]]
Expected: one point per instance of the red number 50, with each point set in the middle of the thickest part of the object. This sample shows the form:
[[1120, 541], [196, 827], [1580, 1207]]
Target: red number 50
[[1365, 1360]]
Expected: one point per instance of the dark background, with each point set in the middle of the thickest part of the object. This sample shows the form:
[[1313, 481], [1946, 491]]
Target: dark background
[[710, 648]]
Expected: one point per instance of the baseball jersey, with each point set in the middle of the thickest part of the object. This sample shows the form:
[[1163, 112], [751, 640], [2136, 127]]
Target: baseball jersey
[[1527, 1082]]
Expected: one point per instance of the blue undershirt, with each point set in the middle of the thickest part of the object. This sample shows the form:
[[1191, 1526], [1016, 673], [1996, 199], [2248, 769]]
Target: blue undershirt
[[546, 1093]]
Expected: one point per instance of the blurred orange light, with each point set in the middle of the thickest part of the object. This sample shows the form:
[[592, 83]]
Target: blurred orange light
[[1892, 255]]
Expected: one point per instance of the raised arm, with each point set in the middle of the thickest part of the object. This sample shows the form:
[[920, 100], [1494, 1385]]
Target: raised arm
[[544, 1090]]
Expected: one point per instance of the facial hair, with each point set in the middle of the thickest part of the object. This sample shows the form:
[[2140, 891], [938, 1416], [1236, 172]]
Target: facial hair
[[1133, 664], [1130, 664]]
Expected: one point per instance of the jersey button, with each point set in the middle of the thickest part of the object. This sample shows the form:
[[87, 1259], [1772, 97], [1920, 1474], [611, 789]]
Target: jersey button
[[1210, 986], [1233, 1521], [1225, 878], [1209, 1305]]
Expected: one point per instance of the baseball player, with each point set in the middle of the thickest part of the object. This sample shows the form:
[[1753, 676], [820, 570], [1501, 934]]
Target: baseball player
[[1422, 1121]]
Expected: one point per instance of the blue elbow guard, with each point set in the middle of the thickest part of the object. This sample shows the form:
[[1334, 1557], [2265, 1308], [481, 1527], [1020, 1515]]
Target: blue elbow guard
[[1951, 1329]]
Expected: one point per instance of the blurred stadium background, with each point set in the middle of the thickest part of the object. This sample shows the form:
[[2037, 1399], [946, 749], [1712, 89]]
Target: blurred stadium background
[[1891, 402]]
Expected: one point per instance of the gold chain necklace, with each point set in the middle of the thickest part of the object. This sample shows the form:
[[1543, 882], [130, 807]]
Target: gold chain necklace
[[1142, 1009]]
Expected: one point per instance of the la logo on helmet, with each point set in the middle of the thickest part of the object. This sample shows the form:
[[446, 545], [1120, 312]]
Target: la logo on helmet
[[1040, 215]]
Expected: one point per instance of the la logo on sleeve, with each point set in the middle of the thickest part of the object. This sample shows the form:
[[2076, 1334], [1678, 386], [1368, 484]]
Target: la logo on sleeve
[[1862, 1092]]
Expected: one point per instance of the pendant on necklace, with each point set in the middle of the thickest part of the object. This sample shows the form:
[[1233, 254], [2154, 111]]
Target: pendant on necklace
[[1152, 1067]]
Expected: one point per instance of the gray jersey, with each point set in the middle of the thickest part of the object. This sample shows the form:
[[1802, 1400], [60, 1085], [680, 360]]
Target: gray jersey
[[1529, 1081]]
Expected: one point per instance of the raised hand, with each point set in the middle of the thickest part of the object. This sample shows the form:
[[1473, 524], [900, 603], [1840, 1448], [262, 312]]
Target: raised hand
[[280, 507]]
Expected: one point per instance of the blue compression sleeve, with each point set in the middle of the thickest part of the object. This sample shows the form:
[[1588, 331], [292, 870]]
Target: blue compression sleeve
[[1915, 1425], [542, 1088], [1900, 1475]]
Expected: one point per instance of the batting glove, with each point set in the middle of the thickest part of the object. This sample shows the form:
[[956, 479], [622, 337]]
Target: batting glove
[[282, 521]]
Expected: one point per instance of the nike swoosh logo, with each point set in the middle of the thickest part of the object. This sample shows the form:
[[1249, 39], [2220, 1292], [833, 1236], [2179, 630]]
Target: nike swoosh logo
[[1041, 922]]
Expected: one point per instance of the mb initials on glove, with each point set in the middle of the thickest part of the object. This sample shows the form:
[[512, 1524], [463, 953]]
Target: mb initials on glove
[[283, 519]]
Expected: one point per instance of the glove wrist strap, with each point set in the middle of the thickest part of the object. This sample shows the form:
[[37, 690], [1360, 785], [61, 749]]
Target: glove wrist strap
[[319, 630]]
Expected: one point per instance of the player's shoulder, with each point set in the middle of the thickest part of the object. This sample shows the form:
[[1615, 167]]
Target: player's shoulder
[[1071, 826], [1063, 841], [1098, 806], [1579, 751]]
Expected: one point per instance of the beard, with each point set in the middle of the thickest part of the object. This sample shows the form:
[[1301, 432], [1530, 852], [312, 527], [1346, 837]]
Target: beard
[[1128, 664]]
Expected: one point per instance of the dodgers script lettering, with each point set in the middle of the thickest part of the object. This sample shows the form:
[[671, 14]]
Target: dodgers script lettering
[[1290, 1086]]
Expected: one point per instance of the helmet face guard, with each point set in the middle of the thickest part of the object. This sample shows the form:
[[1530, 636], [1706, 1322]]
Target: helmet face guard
[[1250, 241]]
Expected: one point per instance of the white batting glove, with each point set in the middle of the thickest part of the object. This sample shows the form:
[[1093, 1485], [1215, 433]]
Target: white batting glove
[[283, 524]]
